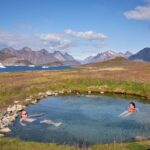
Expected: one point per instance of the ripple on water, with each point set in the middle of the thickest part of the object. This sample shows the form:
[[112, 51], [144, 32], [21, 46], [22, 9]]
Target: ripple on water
[[85, 120]]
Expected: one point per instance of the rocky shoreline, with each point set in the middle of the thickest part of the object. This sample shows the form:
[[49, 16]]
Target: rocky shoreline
[[9, 114]]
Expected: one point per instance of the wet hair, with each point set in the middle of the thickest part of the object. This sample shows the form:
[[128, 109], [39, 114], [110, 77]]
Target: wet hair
[[132, 103], [22, 111]]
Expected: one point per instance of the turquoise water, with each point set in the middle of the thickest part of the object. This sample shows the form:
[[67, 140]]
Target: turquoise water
[[85, 120]]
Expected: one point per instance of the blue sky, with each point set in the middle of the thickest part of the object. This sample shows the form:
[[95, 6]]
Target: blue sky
[[79, 27]]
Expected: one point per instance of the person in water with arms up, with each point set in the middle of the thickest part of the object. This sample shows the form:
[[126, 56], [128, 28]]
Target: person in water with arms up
[[32, 118], [131, 109]]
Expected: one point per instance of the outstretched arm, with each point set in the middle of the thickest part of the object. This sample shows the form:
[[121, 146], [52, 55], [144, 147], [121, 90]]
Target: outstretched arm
[[124, 113], [36, 115], [128, 114], [21, 122], [51, 122]]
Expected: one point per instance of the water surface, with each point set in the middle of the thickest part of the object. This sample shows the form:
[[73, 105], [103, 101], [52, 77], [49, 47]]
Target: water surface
[[28, 68], [85, 120]]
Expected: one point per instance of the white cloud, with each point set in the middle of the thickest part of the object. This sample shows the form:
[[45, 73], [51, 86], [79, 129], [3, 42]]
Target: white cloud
[[88, 35], [140, 12], [17, 40], [49, 37], [55, 42]]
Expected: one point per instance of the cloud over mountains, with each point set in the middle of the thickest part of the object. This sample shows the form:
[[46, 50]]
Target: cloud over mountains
[[87, 35], [60, 41]]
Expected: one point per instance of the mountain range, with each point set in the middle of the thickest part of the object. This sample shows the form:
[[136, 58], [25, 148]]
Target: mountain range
[[107, 55], [26, 56], [142, 55]]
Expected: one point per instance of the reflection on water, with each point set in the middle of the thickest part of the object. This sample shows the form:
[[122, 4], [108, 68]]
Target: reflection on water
[[88, 120]]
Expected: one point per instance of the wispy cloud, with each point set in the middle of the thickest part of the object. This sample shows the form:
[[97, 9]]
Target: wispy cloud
[[18, 40], [62, 41], [52, 41], [49, 37], [56, 42], [140, 12], [87, 35], [49, 22], [24, 26], [9, 39]]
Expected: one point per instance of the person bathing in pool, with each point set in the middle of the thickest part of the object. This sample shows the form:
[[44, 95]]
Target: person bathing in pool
[[26, 118], [131, 109]]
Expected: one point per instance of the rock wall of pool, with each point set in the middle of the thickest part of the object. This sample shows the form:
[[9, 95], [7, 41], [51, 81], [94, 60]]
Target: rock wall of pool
[[85, 120]]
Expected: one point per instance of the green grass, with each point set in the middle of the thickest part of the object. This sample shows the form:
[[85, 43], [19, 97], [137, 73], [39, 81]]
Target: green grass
[[16, 144], [18, 86], [133, 80], [136, 146]]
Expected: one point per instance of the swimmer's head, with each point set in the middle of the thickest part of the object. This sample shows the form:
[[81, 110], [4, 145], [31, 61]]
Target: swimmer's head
[[132, 105], [23, 113]]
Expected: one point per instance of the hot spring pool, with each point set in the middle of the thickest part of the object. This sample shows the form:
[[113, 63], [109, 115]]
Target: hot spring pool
[[85, 120]]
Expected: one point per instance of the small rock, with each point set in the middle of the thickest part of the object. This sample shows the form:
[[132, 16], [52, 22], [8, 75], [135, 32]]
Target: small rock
[[28, 99], [5, 130], [140, 138], [30, 96], [56, 94], [50, 93], [14, 108], [16, 102], [69, 91], [1, 135], [41, 94], [61, 92], [45, 95], [89, 92], [5, 122], [34, 102], [78, 93], [102, 92], [4, 112], [9, 109], [19, 107], [11, 118]]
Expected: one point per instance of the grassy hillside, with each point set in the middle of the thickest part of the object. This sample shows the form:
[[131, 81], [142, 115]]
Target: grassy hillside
[[119, 61], [116, 76]]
